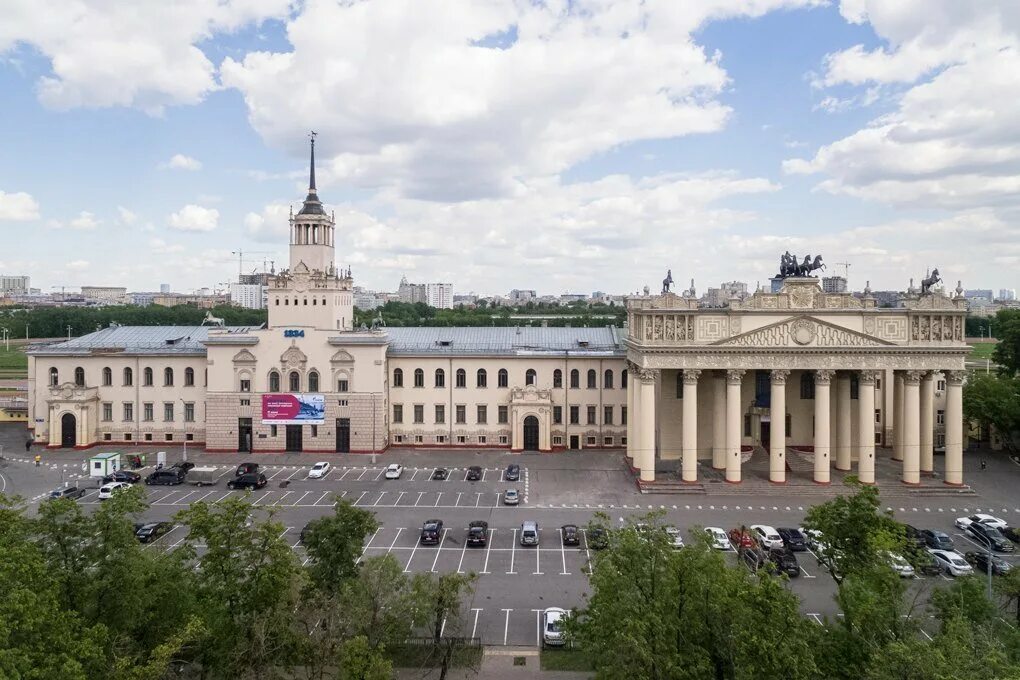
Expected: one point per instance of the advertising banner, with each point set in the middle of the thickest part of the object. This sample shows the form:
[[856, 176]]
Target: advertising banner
[[293, 409]]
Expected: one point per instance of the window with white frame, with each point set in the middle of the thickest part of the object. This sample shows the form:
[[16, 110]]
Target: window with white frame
[[503, 439], [940, 417], [107, 412]]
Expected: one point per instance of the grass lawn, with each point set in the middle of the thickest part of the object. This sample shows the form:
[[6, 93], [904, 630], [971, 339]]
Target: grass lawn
[[13, 360], [981, 351], [413, 656], [566, 659]]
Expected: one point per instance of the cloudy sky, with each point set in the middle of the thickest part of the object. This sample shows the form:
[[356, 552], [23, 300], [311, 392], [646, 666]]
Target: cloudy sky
[[562, 145]]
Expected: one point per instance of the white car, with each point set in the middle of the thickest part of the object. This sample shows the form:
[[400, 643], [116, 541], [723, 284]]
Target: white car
[[107, 490], [767, 536], [552, 626], [511, 497], [987, 520], [718, 538], [952, 562], [900, 565], [676, 539], [394, 470], [319, 470]]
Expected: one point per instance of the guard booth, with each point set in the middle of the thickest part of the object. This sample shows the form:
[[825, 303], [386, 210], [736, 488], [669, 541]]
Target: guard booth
[[103, 464]]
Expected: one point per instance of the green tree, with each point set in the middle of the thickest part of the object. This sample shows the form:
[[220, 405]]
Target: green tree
[[334, 544], [360, 661], [439, 610], [1008, 588], [994, 401], [1006, 328]]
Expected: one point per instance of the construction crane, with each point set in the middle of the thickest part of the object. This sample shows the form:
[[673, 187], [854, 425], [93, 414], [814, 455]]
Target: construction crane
[[240, 259], [846, 269], [63, 294]]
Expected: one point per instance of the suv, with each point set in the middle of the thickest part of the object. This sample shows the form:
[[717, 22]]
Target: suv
[[432, 532], [250, 480], [147, 532], [937, 539], [529, 533], [246, 468], [474, 473], [67, 492], [990, 536], [513, 472], [570, 535], [511, 497], [478, 533], [166, 477], [793, 538], [784, 561]]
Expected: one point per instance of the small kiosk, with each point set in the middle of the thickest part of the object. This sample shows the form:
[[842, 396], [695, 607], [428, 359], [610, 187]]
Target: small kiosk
[[103, 464]]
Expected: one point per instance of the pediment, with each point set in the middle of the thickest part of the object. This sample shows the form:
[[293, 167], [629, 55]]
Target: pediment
[[342, 356], [293, 357], [932, 301], [802, 331], [244, 357]]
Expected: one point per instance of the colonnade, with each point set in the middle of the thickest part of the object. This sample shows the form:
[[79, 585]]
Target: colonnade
[[913, 423]]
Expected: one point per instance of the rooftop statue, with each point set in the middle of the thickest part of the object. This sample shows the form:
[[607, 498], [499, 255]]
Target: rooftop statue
[[927, 283], [789, 266], [667, 282]]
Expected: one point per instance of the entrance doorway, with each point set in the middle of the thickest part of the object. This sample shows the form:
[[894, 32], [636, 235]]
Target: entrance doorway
[[244, 435], [766, 434], [343, 435], [294, 443], [68, 431], [575, 441], [531, 433]]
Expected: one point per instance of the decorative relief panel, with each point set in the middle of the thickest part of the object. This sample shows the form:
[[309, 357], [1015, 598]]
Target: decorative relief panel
[[936, 328], [804, 332], [244, 357], [712, 328], [894, 329], [672, 328]]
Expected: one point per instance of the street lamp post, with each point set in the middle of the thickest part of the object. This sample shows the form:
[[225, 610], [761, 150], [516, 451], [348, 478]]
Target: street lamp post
[[184, 415]]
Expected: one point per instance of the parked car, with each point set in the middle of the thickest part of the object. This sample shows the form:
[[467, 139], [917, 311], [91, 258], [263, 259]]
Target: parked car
[[394, 470], [246, 468], [718, 539], [183, 465], [474, 473], [570, 534], [529, 533], [69, 491], [552, 626], [813, 538], [440, 474], [676, 539], [925, 563], [306, 531], [1011, 533], [598, 538], [793, 539], [147, 532], [107, 490], [766, 536], [511, 497], [431, 531], [913, 535], [513, 472], [990, 537], [784, 561], [122, 476], [478, 533], [741, 538], [952, 562], [980, 561], [900, 565], [251, 480], [937, 539], [987, 520], [319, 470], [755, 558], [166, 477]]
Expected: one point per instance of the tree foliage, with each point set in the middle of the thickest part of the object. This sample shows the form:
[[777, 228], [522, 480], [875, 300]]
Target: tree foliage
[[1006, 328], [420, 314], [52, 322], [994, 401]]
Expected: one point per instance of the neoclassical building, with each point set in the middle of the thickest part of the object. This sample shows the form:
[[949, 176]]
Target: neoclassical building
[[828, 376]]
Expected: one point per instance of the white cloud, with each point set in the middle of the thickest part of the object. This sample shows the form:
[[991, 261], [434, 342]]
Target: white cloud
[[18, 207], [77, 265], [468, 107], [139, 54], [271, 225], [181, 162], [85, 221], [161, 247], [194, 218], [126, 216]]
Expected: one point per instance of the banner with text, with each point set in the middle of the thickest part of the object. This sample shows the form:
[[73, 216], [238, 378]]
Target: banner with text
[[293, 409]]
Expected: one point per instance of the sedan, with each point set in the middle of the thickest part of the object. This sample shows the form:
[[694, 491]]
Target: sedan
[[552, 626], [319, 470], [67, 492], [123, 476], [431, 531], [570, 534], [511, 497], [717, 538], [987, 520], [937, 539], [900, 565], [440, 474], [952, 562], [513, 472], [989, 537], [784, 562], [474, 473], [150, 531], [792, 538], [107, 490], [766, 536], [675, 538], [478, 533], [394, 470], [981, 561]]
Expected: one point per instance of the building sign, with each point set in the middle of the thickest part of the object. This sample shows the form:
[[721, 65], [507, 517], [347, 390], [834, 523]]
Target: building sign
[[293, 333], [293, 409]]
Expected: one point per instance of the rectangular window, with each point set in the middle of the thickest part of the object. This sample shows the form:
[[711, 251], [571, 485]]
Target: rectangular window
[[503, 439], [398, 413], [878, 383], [127, 436], [189, 437], [246, 385], [878, 438], [575, 415], [623, 441], [341, 402], [168, 411], [107, 437], [129, 412], [481, 439], [483, 414], [107, 412], [623, 415], [789, 424], [189, 412], [168, 437], [272, 430], [461, 413], [591, 415], [878, 415], [246, 402], [419, 439], [461, 439], [940, 417], [557, 415], [607, 415], [941, 386], [398, 439], [607, 441], [148, 436], [590, 441], [147, 412], [502, 414], [440, 414], [419, 413], [315, 430], [342, 385], [557, 440]]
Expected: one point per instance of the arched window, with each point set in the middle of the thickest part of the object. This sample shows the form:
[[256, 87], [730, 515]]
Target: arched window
[[419, 378], [294, 381], [623, 379], [54, 377], [168, 376], [147, 376], [530, 377], [461, 377], [607, 379], [679, 384], [440, 378], [575, 379], [189, 377], [502, 379], [807, 385], [482, 378], [129, 377], [593, 379], [79, 376], [557, 378], [107, 376], [398, 377], [274, 381], [313, 381]]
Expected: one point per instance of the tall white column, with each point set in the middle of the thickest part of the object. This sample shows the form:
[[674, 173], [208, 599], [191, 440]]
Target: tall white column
[[927, 418], [823, 379], [719, 421], [866, 426], [647, 425], [897, 415], [954, 427], [777, 427], [630, 413], [689, 436], [843, 422], [734, 410], [912, 427]]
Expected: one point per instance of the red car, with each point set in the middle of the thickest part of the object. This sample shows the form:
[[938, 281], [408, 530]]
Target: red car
[[741, 538]]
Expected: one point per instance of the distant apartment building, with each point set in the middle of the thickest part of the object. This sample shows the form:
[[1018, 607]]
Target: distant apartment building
[[142, 299], [720, 297], [109, 295], [164, 288], [518, 296], [248, 295], [368, 299], [411, 292], [567, 298], [834, 284], [465, 299], [439, 295], [14, 285], [202, 301], [259, 278], [1007, 294]]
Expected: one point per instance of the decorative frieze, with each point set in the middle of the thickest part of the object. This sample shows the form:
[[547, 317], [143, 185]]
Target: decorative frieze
[[674, 328], [936, 328], [803, 361], [804, 332]]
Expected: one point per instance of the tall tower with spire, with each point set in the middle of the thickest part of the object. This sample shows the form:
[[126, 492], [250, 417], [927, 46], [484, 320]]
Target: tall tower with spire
[[312, 231]]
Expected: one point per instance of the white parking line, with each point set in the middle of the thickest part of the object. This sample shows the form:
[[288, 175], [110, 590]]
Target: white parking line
[[362, 474], [484, 472], [418, 502], [275, 474], [513, 553], [488, 549], [360, 497], [587, 555], [438, 497], [538, 627], [320, 497], [442, 540], [221, 498], [262, 497], [478, 498], [300, 499], [563, 554], [457, 502], [280, 499], [463, 551], [367, 545], [291, 475], [162, 539], [416, 471], [381, 494], [380, 474], [224, 473], [399, 529], [397, 502], [407, 567], [474, 628], [506, 626], [538, 552], [347, 471]]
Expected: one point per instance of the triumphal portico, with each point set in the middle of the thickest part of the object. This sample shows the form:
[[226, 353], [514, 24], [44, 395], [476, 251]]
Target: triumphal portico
[[798, 372]]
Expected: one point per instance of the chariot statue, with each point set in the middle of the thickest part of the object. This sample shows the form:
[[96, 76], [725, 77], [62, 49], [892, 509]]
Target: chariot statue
[[789, 266]]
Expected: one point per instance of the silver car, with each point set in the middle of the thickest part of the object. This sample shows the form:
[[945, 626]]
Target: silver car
[[511, 497]]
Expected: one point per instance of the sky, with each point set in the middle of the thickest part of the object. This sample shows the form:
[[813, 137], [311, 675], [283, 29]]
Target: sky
[[556, 145]]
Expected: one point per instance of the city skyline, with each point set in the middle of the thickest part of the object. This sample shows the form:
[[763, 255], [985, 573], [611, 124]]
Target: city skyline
[[685, 149]]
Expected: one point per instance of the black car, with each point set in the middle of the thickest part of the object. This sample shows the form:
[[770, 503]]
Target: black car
[[147, 532], [166, 477], [69, 491], [122, 476], [246, 469], [793, 539], [598, 538], [440, 474], [251, 480], [980, 561], [306, 530], [785, 562], [1011, 533], [478, 533], [474, 473], [990, 536], [939, 540], [571, 536], [432, 532], [513, 472], [184, 465], [913, 535]]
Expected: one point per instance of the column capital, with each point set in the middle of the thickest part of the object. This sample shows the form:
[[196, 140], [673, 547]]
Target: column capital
[[824, 376], [779, 376], [956, 378], [646, 374], [913, 377], [691, 376], [928, 376], [867, 377], [735, 376]]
